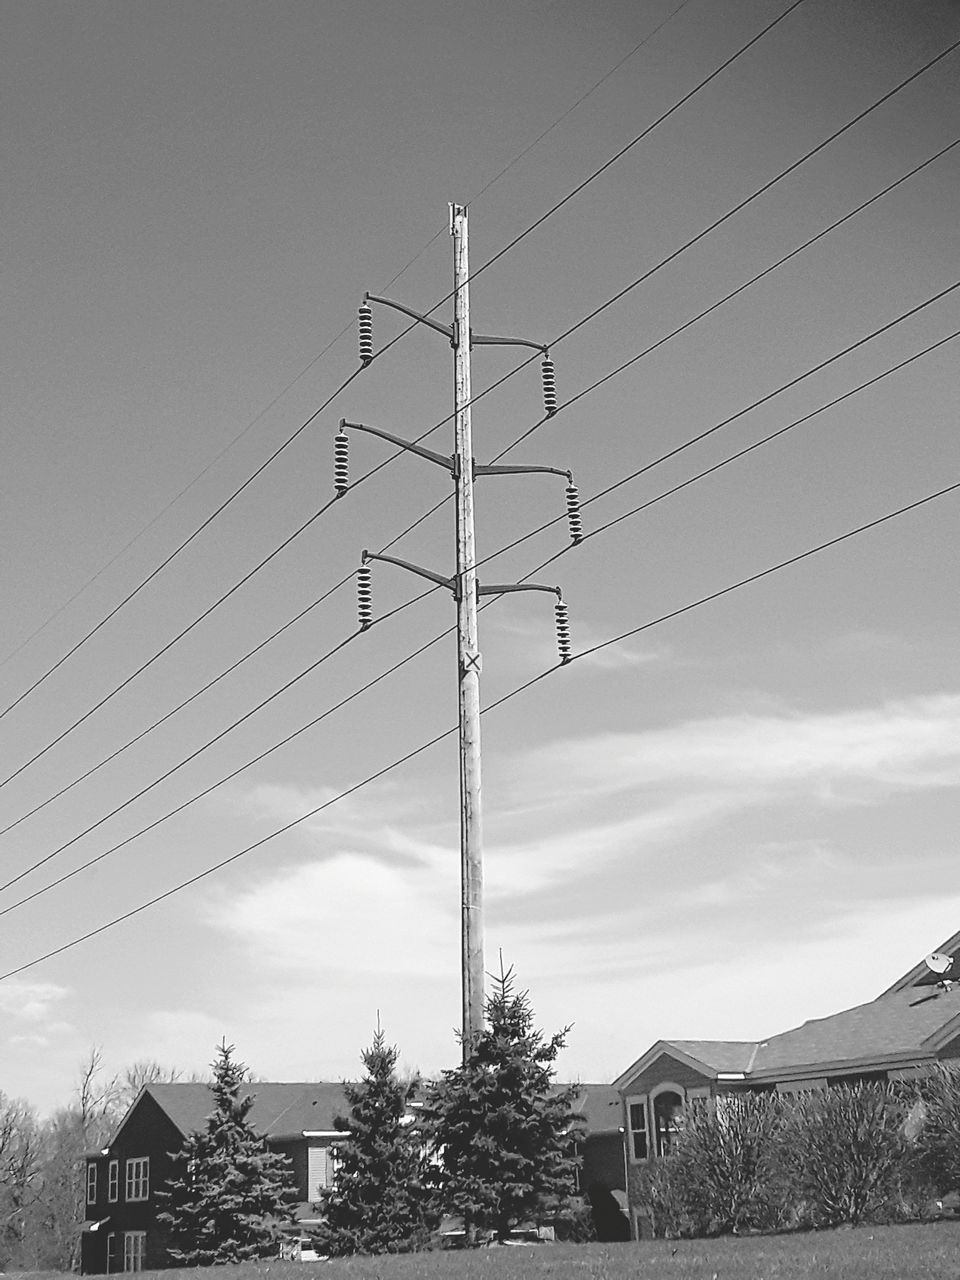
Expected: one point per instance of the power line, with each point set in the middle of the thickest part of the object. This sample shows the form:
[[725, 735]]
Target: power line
[[472, 199], [717, 466], [585, 391], [625, 635], [597, 173], [639, 138], [671, 257], [333, 341], [592, 315], [591, 178], [173, 554], [310, 724]]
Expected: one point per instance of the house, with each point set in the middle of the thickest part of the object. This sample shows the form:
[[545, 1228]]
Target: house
[[298, 1120], [122, 1233], [900, 1035]]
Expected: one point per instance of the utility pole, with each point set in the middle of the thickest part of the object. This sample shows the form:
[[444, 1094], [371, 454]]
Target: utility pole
[[468, 651], [463, 584]]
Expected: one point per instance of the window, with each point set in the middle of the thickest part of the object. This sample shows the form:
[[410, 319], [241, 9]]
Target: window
[[666, 1108], [639, 1149], [113, 1181], [112, 1253], [134, 1246], [91, 1183], [138, 1181]]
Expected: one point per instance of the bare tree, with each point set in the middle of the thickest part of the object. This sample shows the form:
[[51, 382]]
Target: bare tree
[[20, 1143]]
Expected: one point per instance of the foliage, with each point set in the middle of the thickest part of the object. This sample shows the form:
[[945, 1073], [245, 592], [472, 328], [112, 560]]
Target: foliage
[[937, 1139], [723, 1165], [234, 1193], [503, 1133], [379, 1202], [842, 1152]]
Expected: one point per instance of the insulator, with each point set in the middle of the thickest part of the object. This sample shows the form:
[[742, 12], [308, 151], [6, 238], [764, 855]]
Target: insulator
[[563, 631], [574, 519], [365, 333], [549, 387], [364, 596], [341, 466]]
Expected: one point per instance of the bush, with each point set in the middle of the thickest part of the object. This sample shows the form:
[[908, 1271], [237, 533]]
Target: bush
[[842, 1152], [936, 1145], [721, 1174]]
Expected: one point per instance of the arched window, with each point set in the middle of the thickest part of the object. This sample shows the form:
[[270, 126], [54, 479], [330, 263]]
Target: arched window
[[666, 1108]]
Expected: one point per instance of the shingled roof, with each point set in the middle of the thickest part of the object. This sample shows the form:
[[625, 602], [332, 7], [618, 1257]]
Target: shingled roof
[[910, 1022], [282, 1111], [278, 1111]]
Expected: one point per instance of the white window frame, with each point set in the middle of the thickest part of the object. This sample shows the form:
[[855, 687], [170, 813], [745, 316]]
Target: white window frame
[[92, 1182], [134, 1250], [637, 1100], [113, 1181], [665, 1086], [112, 1251], [137, 1182]]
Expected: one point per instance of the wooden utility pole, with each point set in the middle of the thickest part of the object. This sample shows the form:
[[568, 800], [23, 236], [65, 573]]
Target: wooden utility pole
[[468, 651], [463, 584]]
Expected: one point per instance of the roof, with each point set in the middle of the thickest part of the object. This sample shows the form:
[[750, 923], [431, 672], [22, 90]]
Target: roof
[[720, 1055], [905, 1023], [600, 1106], [284, 1111], [278, 1111], [910, 1021]]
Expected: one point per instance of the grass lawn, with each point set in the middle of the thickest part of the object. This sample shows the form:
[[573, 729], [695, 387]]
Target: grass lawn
[[911, 1252]]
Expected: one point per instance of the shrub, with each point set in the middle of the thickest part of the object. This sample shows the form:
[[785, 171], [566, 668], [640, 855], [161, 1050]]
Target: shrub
[[936, 1145], [721, 1174], [842, 1152]]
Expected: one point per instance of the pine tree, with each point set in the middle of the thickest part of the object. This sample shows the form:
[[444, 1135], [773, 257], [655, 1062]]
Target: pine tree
[[378, 1202], [503, 1133], [234, 1193]]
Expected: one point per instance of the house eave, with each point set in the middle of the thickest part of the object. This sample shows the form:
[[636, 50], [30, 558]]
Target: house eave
[[840, 1066]]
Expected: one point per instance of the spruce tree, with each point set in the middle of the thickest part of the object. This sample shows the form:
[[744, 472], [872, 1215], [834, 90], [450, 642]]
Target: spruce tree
[[378, 1202], [233, 1193], [503, 1133]]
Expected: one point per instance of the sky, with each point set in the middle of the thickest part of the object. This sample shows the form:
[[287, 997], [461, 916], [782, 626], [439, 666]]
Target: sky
[[737, 817]]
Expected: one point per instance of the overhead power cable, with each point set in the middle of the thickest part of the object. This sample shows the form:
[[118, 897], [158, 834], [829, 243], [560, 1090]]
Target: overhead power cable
[[395, 764], [623, 151], [310, 724], [314, 360], [180, 547], [644, 133], [579, 395], [543, 218], [567, 333], [671, 257]]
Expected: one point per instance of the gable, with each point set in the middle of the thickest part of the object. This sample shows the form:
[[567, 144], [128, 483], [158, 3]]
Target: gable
[[665, 1067]]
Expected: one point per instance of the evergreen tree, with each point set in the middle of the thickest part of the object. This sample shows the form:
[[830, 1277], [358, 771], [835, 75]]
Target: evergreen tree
[[378, 1202], [234, 1193], [503, 1133]]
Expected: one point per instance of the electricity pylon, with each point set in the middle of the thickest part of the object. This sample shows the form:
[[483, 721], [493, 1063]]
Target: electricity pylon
[[464, 584]]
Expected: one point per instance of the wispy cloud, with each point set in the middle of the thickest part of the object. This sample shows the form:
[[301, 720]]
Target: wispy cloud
[[902, 744], [30, 1002]]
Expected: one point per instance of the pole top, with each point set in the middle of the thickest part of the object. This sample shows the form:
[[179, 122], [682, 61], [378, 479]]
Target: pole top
[[456, 211]]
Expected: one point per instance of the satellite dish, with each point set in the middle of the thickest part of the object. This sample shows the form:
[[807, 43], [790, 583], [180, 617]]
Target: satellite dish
[[937, 962]]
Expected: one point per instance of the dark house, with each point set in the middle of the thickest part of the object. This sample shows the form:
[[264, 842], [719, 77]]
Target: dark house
[[121, 1232], [901, 1034]]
